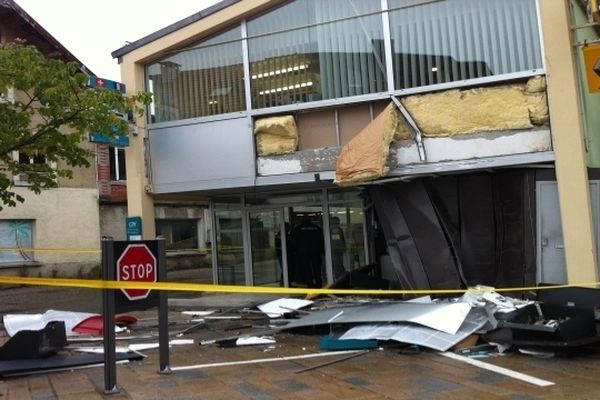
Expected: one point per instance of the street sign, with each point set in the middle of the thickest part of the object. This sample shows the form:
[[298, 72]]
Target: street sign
[[115, 141], [133, 228], [103, 138], [95, 82], [135, 261], [137, 264]]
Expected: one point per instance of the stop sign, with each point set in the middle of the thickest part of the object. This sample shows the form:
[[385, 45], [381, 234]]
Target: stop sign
[[136, 264]]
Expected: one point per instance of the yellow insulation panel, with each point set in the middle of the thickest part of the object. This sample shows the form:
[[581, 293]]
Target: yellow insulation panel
[[459, 112], [276, 135], [365, 157]]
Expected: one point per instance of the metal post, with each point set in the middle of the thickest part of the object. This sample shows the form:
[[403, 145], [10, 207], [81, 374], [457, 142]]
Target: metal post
[[163, 310], [108, 308]]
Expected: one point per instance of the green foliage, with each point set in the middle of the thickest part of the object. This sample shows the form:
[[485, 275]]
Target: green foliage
[[52, 115]]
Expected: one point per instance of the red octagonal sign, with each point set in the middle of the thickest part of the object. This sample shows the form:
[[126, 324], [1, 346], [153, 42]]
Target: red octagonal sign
[[136, 264]]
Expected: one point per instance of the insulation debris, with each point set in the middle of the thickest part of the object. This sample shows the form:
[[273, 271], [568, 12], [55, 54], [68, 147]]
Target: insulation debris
[[486, 109], [365, 157], [276, 135]]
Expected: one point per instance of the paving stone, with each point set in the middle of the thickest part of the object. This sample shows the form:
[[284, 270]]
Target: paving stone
[[293, 385], [357, 381], [435, 384], [254, 392]]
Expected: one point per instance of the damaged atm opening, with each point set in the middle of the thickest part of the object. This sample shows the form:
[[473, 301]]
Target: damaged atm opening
[[443, 232], [447, 180]]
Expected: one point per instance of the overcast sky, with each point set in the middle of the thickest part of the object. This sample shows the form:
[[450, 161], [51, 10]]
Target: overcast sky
[[91, 30]]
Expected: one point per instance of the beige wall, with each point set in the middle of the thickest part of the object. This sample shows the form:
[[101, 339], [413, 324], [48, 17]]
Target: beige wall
[[568, 140], [64, 219], [139, 199]]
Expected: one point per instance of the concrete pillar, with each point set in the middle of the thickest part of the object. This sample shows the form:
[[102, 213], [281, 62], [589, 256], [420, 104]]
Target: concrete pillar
[[568, 140], [139, 201]]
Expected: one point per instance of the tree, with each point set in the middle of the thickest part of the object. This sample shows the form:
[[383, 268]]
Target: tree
[[50, 117]]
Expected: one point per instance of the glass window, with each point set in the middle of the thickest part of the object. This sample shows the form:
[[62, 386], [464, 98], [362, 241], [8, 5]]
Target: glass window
[[117, 163], [257, 199], [206, 79], [455, 40], [230, 247], [346, 226], [324, 60], [178, 234], [301, 13], [16, 241]]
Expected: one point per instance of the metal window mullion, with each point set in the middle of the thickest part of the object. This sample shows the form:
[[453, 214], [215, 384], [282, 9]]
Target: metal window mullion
[[387, 41], [338, 137], [246, 243], [213, 242], [366, 246], [327, 237], [540, 35], [246, 63], [117, 162], [283, 247]]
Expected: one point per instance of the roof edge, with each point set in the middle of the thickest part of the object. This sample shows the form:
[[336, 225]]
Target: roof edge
[[44, 33], [128, 48]]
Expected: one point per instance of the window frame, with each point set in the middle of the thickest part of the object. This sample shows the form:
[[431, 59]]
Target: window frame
[[392, 91]]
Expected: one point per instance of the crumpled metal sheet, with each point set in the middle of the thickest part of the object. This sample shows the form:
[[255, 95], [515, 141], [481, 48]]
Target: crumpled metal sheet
[[445, 317], [420, 335]]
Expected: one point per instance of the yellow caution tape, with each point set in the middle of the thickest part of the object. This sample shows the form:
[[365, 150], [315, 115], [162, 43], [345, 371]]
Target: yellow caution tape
[[49, 250], [199, 287]]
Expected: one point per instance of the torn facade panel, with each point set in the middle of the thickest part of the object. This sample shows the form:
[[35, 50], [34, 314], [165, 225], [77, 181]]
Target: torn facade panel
[[365, 157]]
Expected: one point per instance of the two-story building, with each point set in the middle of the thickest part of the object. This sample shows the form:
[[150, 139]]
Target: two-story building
[[434, 139], [55, 232]]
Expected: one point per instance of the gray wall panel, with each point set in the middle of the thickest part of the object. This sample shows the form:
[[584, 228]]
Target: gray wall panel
[[202, 156]]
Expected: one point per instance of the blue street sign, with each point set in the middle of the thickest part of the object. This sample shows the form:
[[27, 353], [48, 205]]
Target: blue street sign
[[95, 82], [101, 138], [116, 141]]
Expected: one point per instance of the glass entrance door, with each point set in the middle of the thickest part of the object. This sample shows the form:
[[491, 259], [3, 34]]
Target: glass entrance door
[[268, 244]]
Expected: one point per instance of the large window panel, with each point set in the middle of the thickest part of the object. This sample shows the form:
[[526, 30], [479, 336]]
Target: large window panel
[[324, 60], [455, 40], [301, 13], [206, 79]]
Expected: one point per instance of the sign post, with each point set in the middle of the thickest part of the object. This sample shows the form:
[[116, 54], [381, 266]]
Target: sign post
[[133, 261], [108, 313]]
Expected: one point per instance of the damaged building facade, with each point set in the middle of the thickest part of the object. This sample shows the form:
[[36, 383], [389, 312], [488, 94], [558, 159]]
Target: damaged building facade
[[439, 142]]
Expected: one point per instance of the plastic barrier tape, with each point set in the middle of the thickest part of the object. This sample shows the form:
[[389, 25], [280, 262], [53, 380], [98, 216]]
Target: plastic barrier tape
[[198, 287]]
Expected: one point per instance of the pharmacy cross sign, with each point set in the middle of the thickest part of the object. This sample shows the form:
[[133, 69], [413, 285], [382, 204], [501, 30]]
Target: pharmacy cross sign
[[137, 264]]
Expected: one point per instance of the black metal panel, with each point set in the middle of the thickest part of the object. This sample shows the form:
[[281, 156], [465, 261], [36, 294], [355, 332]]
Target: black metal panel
[[472, 229], [515, 231], [401, 247], [29, 344], [416, 241], [477, 229]]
